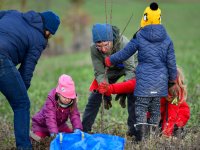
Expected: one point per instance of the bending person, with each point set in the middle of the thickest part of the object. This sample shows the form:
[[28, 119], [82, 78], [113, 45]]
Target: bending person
[[174, 115], [23, 38]]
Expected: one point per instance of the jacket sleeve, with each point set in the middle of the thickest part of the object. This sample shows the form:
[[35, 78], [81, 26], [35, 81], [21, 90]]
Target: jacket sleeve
[[50, 115], [130, 63], [171, 62], [123, 87], [28, 65], [98, 65], [125, 53], [75, 118], [183, 114]]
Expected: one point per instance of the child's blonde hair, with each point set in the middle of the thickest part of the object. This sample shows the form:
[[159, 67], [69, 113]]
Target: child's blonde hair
[[181, 83]]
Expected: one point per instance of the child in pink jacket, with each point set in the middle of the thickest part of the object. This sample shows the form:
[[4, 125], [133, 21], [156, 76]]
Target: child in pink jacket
[[59, 106]]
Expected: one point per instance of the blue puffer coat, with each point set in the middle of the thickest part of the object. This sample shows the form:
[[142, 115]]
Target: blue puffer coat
[[22, 40], [156, 60]]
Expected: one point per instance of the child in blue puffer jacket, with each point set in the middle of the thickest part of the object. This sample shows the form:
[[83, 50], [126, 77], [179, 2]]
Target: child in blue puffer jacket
[[156, 67]]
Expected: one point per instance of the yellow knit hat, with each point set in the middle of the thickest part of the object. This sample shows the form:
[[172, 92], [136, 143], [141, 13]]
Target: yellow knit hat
[[152, 15]]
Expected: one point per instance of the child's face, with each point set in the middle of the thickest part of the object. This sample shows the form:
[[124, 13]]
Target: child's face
[[64, 100]]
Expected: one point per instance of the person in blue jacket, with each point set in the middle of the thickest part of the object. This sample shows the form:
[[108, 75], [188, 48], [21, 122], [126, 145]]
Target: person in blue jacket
[[23, 37], [156, 67]]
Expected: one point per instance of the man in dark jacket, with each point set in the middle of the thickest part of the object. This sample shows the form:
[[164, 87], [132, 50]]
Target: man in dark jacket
[[107, 41], [23, 37]]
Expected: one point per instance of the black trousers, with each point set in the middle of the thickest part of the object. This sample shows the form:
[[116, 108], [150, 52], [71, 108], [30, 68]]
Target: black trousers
[[92, 109], [144, 104]]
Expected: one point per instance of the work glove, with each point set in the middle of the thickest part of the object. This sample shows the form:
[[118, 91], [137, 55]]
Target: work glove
[[107, 62], [105, 89], [107, 102], [122, 99]]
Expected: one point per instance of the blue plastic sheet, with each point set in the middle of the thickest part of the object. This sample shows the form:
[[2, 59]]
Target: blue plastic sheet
[[84, 141]]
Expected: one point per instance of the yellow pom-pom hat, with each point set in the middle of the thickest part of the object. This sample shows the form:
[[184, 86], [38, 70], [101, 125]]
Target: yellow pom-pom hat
[[152, 15]]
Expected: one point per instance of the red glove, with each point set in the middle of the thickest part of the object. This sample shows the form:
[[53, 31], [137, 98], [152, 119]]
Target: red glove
[[105, 88], [125, 87], [108, 62]]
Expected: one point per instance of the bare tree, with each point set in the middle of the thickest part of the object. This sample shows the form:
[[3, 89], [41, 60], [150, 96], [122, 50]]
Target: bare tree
[[2, 4], [23, 4], [77, 20]]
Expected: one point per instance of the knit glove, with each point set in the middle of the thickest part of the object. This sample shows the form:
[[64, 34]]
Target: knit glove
[[107, 102], [105, 89], [122, 99]]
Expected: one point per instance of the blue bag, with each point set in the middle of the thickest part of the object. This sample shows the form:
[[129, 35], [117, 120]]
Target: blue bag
[[85, 141]]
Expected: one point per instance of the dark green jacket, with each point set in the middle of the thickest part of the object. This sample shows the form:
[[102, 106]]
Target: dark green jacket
[[114, 73]]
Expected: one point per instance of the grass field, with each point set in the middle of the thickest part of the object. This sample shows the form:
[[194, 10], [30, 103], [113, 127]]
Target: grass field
[[181, 20]]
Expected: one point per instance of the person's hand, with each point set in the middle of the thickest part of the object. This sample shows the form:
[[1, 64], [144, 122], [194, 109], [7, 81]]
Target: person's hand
[[104, 88], [53, 135], [107, 102], [77, 130], [122, 99], [107, 62]]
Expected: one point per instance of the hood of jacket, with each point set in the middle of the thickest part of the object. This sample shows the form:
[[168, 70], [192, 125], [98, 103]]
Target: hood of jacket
[[35, 20], [153, 33]]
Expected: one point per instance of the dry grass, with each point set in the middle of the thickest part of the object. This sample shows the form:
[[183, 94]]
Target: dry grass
[[190, 142]]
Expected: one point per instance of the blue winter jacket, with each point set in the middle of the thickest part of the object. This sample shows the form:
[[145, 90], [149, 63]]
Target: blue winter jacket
[[156, 60], [22, 40]]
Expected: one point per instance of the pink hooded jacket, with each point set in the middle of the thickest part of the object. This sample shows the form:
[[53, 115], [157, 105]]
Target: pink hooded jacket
[[52, 118]]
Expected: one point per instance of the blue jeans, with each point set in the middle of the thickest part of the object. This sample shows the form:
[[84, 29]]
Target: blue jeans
[[13, 88], [92, 108]]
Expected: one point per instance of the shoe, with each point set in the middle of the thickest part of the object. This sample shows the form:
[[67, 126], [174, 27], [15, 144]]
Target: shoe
[[142, 132], [131, 131], [153, 131], [179, 133]]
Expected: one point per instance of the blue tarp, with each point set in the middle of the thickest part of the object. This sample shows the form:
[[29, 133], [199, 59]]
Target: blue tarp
[[85, 141]]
